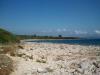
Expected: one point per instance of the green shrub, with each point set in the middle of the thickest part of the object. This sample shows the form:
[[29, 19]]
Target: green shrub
[[7, 37]]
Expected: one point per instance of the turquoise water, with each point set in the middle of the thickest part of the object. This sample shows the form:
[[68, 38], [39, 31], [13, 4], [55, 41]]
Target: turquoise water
[[78, 41]]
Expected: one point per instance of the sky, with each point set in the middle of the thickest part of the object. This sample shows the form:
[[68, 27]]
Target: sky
[[51, 17]]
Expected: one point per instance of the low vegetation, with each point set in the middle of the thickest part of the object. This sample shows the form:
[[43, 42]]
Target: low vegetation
[[9, 49], [6, 65], [7, 46], [7, 37]]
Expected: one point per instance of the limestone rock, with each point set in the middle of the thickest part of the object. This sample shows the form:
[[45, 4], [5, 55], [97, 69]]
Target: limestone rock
[[41, 70]]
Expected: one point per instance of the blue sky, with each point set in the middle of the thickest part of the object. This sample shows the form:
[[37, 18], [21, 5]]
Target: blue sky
[[51, 17]]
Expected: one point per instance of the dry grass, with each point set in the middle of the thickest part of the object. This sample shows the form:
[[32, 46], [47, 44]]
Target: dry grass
[[9, 49], [6, 65]]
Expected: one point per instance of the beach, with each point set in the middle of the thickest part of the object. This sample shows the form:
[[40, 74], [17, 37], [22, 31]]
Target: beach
[[56, 59]]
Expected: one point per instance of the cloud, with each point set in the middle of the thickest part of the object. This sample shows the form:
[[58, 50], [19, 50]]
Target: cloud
[[80, 32], [61, 30], [97, 31]]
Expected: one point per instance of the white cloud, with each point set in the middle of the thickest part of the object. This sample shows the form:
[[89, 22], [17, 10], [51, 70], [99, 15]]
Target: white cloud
[[61, 30], [97, 31], [80, 32]]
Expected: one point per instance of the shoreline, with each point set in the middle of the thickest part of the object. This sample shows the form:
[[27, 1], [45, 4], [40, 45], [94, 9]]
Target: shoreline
[[45, 39], [87, 42]]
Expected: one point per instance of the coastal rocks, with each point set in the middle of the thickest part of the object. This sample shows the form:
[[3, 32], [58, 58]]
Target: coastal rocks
[[57, 59], [80, 70], [71, 70], [85, 64], [75, 67], [86, 67]]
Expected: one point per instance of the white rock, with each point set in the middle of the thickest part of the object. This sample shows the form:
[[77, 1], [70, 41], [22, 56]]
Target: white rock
[[87, 72], [41, 70], [70, 54], [71, 70], [92, 68], [85, 65]]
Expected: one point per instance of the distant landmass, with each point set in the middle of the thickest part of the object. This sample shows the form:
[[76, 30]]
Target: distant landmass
[[44, 37], [6, 36]]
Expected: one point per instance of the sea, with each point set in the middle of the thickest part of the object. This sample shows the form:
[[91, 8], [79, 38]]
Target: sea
[[95, 42]]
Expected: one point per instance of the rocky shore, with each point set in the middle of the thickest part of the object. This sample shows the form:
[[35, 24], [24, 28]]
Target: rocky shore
[[56, 59]]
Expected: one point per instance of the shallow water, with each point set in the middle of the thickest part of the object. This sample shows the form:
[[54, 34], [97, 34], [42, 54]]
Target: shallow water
[[95, 42]]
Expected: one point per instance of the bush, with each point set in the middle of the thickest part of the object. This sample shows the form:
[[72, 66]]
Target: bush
[[7, 37]]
